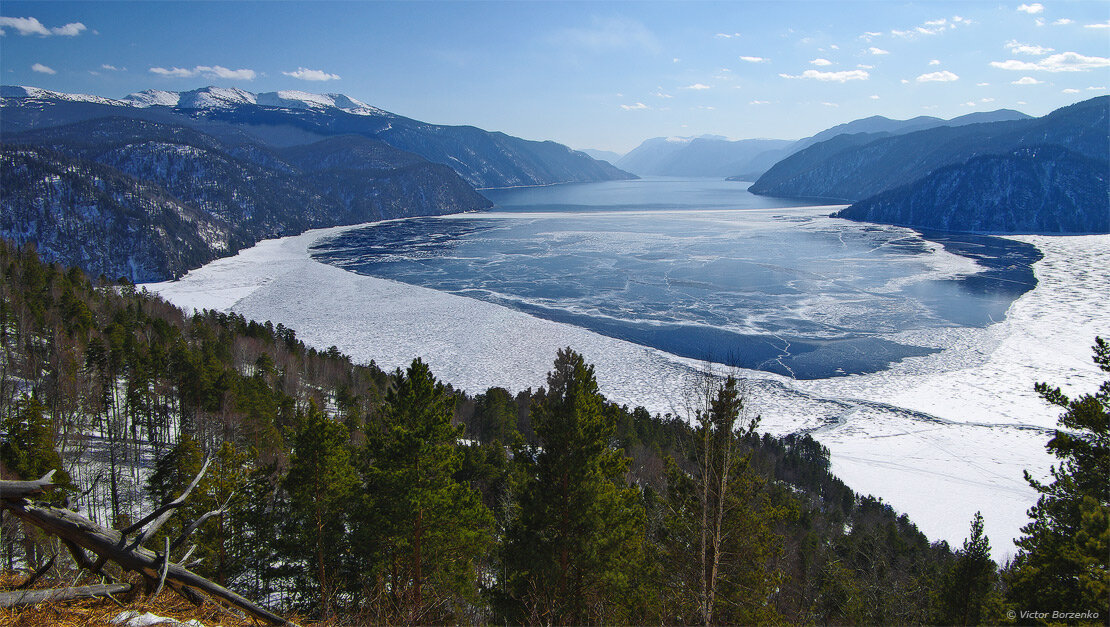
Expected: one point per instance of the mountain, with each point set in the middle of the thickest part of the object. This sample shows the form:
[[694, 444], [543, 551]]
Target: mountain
[[149, 200], [697, 156], [602, 155], [1044, 189], [482, 158], [854, 167]]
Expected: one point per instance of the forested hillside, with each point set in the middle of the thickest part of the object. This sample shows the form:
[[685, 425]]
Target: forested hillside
[[149, 201], [390, 497]]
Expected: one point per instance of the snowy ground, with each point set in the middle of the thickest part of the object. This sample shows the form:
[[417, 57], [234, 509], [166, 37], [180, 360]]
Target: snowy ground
[[937, 437]]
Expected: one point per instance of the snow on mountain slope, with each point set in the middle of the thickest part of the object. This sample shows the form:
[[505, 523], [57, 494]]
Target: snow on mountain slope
[[20, 91], [224, 97]]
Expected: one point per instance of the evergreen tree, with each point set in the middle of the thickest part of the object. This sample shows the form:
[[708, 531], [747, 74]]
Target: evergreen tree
[[1063, 562], [422, 530], [28, 447], [573, 552], [720, 540], [967, 592], [321, 484]]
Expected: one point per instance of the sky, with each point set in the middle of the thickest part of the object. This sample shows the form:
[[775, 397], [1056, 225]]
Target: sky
[[586, 74]]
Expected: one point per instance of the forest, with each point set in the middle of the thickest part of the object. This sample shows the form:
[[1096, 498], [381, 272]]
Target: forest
[[359, 496]]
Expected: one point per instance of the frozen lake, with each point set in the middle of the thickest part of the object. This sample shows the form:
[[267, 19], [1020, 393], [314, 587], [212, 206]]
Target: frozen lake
[[939, 435], [702, 269]]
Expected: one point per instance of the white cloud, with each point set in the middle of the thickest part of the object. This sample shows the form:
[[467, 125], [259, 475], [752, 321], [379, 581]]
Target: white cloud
[[901, 33], [755, 59], [1105, 24], [1063, 62], [42, 69], [1026, 80], [1063, 21], [635, 107], [213, 71], [982, 84], [1019, 48], [934, 62], [869, 35], [726, 35], [306, 74], [968, 104], [874, 50], [943, 76], [1096, 89], [72, 29], [820, 62], [661, 94], [985, 100], [830, 104], [941, 22], [697, 87], [31, 26], [1070, 91], [607, 34], [904, 81], [864, 66], [836, 77], [1031, 9], [112, 68], [834, 47], [759, 102], [874, 96]]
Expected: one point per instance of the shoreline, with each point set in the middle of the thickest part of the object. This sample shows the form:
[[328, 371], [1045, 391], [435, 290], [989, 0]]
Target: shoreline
[[937, 437]]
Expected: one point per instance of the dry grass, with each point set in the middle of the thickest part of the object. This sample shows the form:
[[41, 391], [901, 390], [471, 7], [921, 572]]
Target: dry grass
[[101, 611]]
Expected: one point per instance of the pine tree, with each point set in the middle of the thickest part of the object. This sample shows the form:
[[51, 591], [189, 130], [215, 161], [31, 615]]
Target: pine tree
[[422, 530], [28, 448], [967, 592], [1063, 562], [720, 541], [573, 552], [321, 483]]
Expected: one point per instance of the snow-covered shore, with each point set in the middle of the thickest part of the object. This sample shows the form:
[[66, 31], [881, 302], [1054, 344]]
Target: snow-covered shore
[[938, 437]]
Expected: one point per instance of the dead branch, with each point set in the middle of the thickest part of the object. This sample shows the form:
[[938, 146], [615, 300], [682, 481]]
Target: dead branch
[[24, 489], [32, 597], [81, 534]]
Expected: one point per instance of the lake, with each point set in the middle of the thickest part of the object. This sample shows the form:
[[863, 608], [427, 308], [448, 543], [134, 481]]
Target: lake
[[701, 268]]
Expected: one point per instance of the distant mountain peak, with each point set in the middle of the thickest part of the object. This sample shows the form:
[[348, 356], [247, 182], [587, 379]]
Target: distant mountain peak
[[213, 97]]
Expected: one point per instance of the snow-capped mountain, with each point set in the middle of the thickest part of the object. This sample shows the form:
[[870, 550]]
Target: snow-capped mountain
[[20, 91], [227, 97], [289, 118]]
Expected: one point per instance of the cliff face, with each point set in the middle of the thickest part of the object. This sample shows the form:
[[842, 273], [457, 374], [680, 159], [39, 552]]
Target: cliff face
[[149, 200], [1046, 189]]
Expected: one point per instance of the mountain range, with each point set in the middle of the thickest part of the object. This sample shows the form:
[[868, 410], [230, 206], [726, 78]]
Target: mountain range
[[747, 159], [151, 185], [1044, 175]]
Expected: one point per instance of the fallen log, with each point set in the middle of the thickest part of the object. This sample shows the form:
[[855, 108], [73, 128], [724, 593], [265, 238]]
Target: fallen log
[[110, 544], [15, 490], [33, 597]]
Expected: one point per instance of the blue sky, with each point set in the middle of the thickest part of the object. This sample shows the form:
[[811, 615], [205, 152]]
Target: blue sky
[[590, 75]]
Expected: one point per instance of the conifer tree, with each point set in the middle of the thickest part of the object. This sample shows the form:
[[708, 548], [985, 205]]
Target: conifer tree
[[574, 550], [422, 530], [1063, 562], [28, 448], [966, 595], [321, 483]]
